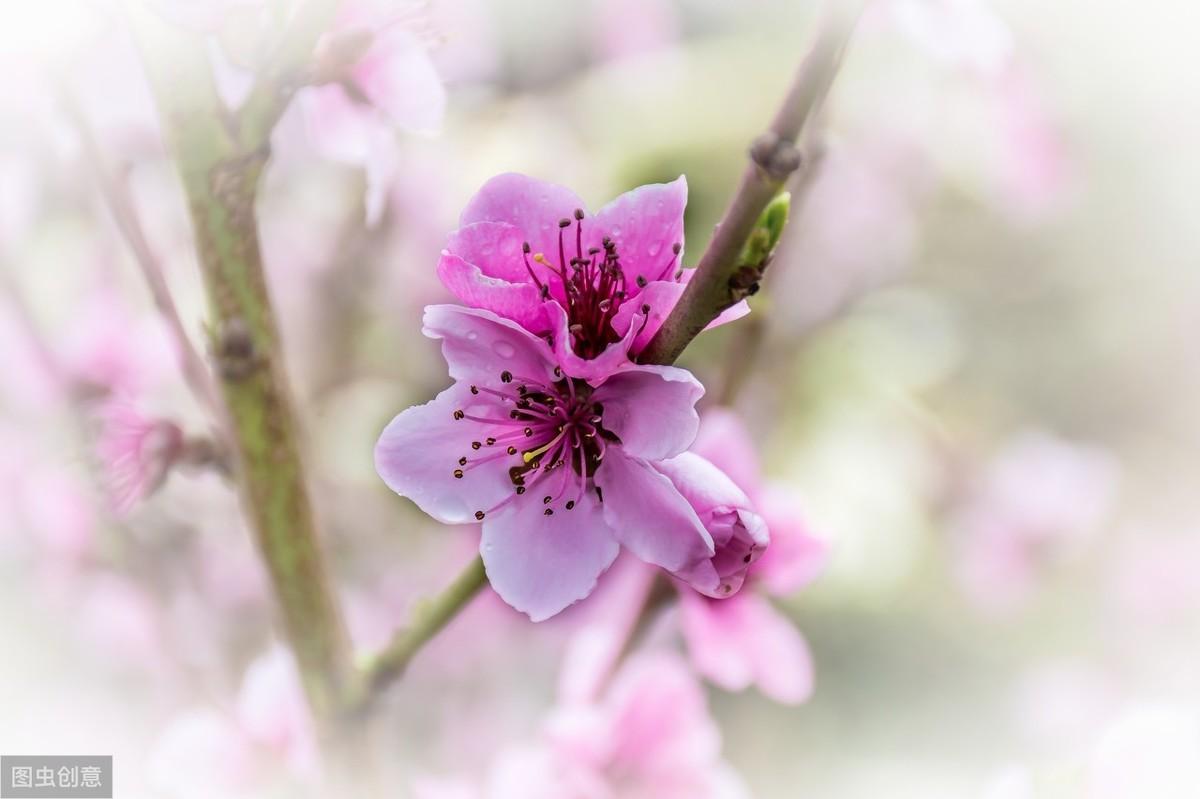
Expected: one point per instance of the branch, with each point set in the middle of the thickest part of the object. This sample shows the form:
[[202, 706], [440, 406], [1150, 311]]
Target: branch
[[720, 280], [121, 206], [428, 619], [220, 171]]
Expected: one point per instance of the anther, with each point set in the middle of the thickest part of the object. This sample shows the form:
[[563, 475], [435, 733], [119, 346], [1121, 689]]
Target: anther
[[476, 445], [528, 432], [459, 414], [491, 441], [579, 213], [462, 461], [557, 372], [676, 247], [570, 504], [479, 515], [511, 450], [548, 512], [474, 389], [520, 489], [564, 223], [546, 499], [458, 473], [641, 281], [506, 376], [593, 250], [525, 248]]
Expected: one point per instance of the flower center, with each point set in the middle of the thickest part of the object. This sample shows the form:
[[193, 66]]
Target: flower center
[[550, 431], [591, 284]]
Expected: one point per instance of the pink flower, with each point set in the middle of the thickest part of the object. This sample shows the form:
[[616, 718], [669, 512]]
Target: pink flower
[[648, 735], [743, 640], [379, 77], [136, 451], [600, 286], [561, 471]]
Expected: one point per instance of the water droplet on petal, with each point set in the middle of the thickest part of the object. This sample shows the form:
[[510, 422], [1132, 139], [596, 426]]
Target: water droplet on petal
[[472, 335], [504, 349], [653, 249]]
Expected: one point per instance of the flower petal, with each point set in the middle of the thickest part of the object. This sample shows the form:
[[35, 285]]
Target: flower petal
[[652, 409], [724, 440], [594, 370], [739, 534], [478, 345], [645, 224], [519, 302], [398, 78], [540, 564], [419, 450], [741, 641], [494, 247], [532, 206], [796, 557], [648, 515]]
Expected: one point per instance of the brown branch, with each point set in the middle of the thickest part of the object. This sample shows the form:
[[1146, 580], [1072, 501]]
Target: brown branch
[[719, 282]]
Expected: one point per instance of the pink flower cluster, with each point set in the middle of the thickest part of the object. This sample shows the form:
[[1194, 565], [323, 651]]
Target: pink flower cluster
[[553, 436]]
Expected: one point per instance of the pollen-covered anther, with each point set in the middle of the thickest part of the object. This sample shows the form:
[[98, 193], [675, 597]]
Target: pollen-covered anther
[[548, 511], [506, 376], [459, 414], [476, 444], [479, 515], [458, 473]]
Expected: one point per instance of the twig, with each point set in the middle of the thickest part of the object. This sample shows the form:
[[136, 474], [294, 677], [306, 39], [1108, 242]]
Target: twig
[[774, 156], [429, 617], [220, 170], [121, 206]]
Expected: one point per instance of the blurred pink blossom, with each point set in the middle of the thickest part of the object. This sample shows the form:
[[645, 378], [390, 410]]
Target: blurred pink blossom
[[1036, 502], [237, 752], [624, 28], [743, 640], [136, 451]]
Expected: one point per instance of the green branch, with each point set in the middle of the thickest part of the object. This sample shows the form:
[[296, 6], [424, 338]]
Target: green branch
[[220, 169]]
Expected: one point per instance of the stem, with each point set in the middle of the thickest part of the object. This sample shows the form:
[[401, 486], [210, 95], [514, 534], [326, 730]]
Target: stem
[[428, 619], [220, 171], [773, 158], [121, 206]]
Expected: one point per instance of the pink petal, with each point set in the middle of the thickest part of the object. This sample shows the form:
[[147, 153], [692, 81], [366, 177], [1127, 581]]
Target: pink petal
[[594, 370], [741, 641], [796, 557], [648, 515], [739, 534], [530, 205], [398, 78], [479, 345], [724, 440], [541, 564], [419, 450], [494, 247], [645, 224], [520, 302], [652, 409], [337, 127]]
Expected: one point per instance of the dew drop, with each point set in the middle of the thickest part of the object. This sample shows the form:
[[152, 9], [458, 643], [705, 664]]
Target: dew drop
[[654, 249], [504, 349]]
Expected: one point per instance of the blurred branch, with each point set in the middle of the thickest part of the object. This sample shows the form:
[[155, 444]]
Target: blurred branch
[[220, 171], [120, 204], [289, 68], [721, 280], [428, 619]]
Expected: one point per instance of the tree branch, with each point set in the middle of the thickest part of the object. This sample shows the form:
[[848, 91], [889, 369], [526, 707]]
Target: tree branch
[[220, 171], [428, 619], [120, 205], [719, 282]]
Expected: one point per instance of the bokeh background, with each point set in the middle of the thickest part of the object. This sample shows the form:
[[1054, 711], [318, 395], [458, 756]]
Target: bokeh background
[[974, 362]]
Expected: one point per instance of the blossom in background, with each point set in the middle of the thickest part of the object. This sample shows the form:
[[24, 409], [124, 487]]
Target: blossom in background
[[374, 75], [743, 640], [232, 752], [561, 471], [136, 452], [648, 734], [599, 287], [1036, 502]]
